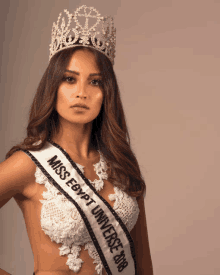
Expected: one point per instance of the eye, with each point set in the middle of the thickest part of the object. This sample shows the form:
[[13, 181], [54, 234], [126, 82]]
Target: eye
[[68, 79], [98, 82]]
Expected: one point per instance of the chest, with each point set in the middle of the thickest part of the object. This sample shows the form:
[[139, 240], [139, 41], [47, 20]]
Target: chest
[[107, 189], [44, 206], [33, 193]]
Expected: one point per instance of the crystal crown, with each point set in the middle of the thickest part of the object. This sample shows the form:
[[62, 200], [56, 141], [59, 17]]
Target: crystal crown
[[101, 35]]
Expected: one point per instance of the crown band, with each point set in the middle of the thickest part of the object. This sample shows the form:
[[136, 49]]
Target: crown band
[[100, 36]]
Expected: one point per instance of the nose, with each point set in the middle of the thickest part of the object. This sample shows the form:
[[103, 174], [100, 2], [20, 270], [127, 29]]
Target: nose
[[81, 91]]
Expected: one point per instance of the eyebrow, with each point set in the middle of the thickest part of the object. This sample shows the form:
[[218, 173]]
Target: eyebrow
[[74, 72]]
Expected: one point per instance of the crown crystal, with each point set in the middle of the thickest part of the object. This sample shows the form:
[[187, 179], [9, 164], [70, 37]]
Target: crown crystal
[[101, 35]]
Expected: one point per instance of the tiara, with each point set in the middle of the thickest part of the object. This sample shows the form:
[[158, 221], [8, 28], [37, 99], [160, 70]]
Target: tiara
[[101, 35]]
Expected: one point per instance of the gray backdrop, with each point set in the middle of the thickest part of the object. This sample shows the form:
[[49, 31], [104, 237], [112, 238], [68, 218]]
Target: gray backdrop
[[168, 67]]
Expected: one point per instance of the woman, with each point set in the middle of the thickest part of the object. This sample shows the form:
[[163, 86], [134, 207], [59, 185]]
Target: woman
[[95, 141]]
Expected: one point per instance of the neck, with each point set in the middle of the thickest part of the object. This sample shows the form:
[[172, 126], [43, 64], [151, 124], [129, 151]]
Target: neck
[[76, 140]]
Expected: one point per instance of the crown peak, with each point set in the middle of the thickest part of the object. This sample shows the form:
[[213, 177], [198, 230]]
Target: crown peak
[[95, 36]]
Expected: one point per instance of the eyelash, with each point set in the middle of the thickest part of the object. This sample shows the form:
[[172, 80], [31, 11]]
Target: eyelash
[[67, 77]]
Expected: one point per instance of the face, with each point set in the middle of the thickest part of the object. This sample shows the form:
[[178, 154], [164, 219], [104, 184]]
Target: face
[[81, 84]]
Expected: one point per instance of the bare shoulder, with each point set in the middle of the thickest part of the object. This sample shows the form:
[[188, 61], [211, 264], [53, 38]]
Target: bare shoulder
[[20, 164], [16, 173]]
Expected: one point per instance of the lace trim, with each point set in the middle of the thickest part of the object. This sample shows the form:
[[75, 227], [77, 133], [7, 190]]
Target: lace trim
[[61, 221], [94, 255]]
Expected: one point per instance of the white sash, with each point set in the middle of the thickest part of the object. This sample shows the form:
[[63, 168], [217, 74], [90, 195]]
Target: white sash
[[108, 233]]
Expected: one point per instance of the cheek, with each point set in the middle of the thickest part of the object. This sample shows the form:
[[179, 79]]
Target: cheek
[[61, 102], [99, 97], [62, 97]]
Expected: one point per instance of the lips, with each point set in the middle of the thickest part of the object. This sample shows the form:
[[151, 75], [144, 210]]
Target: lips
[[80, 105]]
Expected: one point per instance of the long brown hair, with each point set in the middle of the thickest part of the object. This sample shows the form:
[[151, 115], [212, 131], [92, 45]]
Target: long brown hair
[[109, 132]]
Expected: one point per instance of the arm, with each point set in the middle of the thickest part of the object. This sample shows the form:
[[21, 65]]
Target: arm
[[140, 237], [16, 173]]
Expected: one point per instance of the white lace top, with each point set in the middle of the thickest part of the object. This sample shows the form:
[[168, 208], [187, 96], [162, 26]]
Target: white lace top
[[61, 221]]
